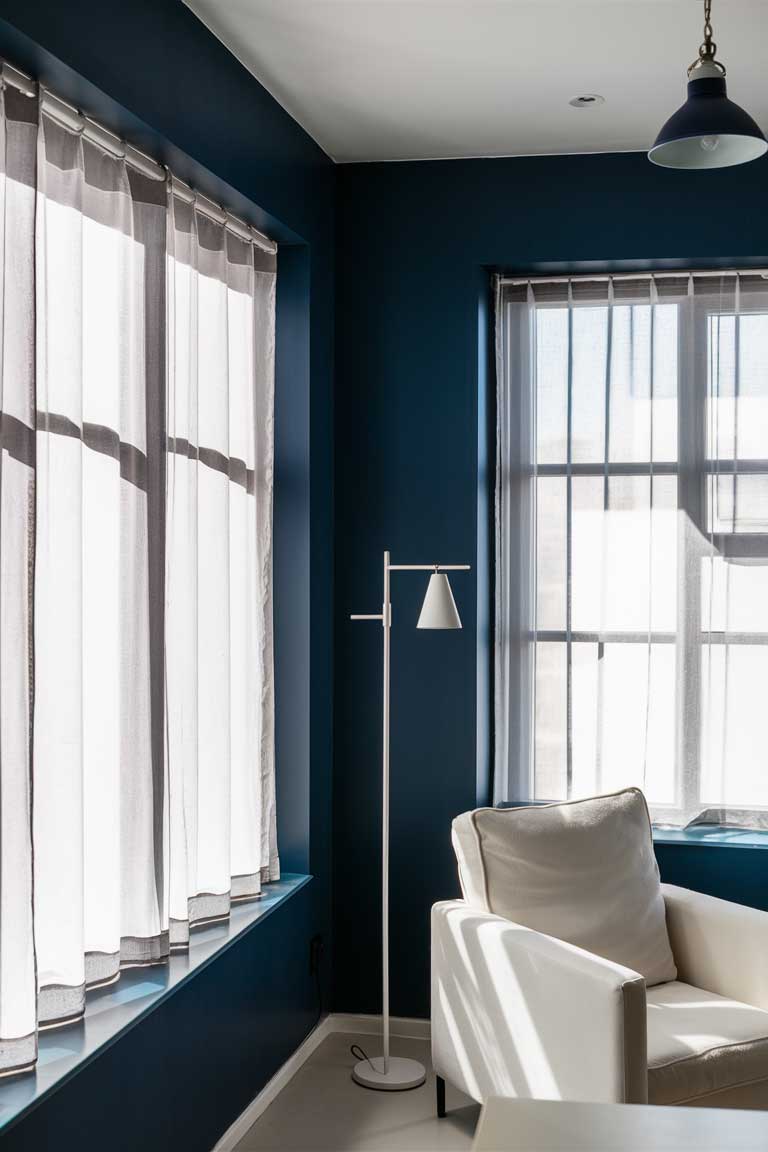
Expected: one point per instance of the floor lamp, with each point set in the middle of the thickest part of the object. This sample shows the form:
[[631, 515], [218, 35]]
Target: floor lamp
[[394, 1073]]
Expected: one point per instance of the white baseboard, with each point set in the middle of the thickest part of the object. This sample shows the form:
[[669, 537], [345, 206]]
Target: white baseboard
[[334, 1022], [371, 1025]]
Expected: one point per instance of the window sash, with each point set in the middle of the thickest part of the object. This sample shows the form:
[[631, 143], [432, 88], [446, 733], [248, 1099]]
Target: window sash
[[695, 468]]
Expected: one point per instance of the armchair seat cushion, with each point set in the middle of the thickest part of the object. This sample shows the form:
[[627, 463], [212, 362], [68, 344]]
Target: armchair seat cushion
[[700, 1044]]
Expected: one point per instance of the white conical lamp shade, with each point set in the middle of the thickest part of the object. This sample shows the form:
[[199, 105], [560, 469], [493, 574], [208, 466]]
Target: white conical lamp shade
[[439, 607]]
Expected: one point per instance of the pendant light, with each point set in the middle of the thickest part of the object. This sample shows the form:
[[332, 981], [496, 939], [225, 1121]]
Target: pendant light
[[709, 131]]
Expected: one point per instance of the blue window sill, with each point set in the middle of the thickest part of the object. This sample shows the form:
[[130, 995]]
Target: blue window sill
[[702, 835], [712, 836], [110, 1012]]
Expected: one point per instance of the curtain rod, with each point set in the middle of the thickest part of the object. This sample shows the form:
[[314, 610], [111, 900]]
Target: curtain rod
[[75, 120], [665, 275]]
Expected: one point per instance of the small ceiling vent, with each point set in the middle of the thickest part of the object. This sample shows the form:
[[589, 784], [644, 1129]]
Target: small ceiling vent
[[588, 100]]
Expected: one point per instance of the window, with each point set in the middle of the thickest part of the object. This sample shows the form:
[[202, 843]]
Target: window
[[632, 540], [136, 686]]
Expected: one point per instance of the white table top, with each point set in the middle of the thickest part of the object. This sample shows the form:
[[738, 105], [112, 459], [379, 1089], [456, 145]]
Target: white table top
[[554, 1126]]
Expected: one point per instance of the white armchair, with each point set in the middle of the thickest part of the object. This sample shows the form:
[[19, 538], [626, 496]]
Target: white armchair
[[519, 1011]]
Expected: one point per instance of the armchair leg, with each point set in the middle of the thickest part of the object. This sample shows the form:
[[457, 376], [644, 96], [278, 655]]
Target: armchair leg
[[440, 1088]]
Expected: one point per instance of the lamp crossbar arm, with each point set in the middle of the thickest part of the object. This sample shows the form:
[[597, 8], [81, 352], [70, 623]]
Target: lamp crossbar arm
[[429, 567], [367, 616]]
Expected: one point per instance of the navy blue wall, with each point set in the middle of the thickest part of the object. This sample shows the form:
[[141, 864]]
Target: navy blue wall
[[738, 874], [414, 243], [149, 70]]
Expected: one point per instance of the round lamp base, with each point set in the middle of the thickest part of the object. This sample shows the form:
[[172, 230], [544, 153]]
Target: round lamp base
[[402, 1074]]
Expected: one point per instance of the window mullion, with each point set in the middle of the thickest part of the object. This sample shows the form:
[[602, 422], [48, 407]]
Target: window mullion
[[606, 504], [691, 424], [569, 561]]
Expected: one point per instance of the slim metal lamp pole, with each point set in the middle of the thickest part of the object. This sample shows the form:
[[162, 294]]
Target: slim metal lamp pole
[[385, 1072], [387, 622]]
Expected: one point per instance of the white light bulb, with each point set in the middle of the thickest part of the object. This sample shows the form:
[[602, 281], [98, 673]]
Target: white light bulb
[[709, 143]]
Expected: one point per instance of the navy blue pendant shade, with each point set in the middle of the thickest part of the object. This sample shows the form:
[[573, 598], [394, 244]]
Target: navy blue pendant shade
[[709, 131]]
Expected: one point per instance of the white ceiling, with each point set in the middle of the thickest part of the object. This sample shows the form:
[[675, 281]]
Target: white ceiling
[[422, 79]]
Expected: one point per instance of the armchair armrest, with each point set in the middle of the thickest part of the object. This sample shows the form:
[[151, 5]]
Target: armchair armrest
[[518, 1013], [718, 946]]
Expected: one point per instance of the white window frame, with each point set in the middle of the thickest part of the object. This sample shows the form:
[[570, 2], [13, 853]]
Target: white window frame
[[693, 469]]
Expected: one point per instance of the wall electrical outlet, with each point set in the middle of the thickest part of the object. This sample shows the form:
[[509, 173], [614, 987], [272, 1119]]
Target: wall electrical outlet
[[315, 952]]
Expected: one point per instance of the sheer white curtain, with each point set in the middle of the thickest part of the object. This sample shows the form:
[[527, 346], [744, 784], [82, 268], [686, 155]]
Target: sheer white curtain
[[631, 549], [100, 878], [219, 633], [18, 136], [136, 721]]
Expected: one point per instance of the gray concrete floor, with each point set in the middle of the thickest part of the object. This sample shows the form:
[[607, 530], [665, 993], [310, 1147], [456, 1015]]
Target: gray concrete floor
[[322, 1110]]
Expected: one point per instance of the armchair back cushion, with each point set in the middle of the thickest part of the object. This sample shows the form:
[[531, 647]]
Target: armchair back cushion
[[583, 871]]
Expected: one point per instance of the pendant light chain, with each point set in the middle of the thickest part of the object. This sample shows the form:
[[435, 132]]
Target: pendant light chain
[[708, 48], [708, 29]]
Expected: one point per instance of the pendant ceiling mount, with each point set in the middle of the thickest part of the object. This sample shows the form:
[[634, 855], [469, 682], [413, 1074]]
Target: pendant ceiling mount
[[709, 131]]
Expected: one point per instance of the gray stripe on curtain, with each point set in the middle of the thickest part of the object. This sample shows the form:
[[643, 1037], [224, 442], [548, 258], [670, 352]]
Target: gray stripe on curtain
[[59, 1003], [19, 442], [18, 1055]]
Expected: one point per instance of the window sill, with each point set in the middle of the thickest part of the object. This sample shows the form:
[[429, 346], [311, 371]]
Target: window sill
[[700, 836], [712, 836], [112, 1011]]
